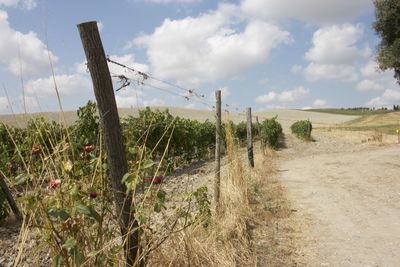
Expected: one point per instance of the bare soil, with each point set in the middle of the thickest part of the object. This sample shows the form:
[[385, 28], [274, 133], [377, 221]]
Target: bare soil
[[346, 192]]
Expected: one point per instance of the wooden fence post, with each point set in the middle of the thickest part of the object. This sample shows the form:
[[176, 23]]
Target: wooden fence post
[[113, 141], [250, 153], [217, 180], [9, 196], [259, 134]]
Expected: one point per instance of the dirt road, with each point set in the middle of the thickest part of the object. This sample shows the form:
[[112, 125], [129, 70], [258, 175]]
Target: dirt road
[[347, 197]]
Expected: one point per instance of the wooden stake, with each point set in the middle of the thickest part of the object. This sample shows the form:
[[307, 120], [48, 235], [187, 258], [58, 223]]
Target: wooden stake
[[113, 141], [217, 180], [250, 153], [10, 198], [259, 134]]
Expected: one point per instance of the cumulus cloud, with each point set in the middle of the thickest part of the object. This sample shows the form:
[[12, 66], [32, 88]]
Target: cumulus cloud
[[3, 104], [319, 103], [25, 4], [369, 85], [22, 51], [225, 92], [129, 98], [67, 85], [286, 96], [127, 60], [208, 47], [389, 97], [296, 68], [335, 52], [315, 71], [309, 11], [336, 45], [375, 80]]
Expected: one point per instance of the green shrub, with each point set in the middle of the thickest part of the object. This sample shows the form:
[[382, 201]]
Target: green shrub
[[302, 129], [271, 130]]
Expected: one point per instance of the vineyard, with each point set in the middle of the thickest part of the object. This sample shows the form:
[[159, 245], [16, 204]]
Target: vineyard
[[59, 177]]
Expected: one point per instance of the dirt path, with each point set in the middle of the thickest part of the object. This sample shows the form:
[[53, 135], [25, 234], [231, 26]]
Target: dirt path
[[347, 195]]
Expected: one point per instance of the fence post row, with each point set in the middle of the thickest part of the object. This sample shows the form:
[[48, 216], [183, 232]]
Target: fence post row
[[250, 153], [113, 141], [217, 180]]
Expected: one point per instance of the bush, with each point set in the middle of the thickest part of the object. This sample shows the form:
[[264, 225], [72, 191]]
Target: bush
[[302, 129], [271, 130]]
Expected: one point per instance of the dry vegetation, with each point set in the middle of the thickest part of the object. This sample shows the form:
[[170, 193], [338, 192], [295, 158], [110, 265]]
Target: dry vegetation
[[252, 228]]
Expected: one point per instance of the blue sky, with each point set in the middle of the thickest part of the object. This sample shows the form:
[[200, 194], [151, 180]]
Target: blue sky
[[260, 53]]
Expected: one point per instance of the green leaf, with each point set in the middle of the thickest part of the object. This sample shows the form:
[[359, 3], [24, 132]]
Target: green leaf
[[148, 164], [70, 243], [58, 213], [57, 260], [126, 177], [94, 214], [157, 207], [83, 209], [161, 195]]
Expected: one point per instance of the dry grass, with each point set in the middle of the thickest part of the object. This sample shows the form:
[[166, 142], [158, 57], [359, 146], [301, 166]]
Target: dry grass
[[252, 228]]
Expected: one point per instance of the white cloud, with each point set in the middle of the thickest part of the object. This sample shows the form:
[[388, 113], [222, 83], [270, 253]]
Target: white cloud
[[335, 53], [208, 47], [389, 97], [66, 84], [129, 97], [369, 85], [18, 50], [268, 98], [225, 92], [375, 80], [371, 69], [25, 4], [286, 96], [3, 104], [309, 11], [336, 45], [315, 71], [319, 103], [127, 60], [296, 68], [31, 103]]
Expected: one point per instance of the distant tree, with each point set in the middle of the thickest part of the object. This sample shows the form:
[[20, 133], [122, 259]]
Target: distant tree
[[387, 26]]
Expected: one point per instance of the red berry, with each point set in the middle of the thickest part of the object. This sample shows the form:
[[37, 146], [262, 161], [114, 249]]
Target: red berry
[[93, 195], [36, 150], [88, 148]]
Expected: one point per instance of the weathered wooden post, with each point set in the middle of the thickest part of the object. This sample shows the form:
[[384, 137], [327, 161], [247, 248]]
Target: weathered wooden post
[[113, 142], [217, 180], [9, 196], [250, 153], [259, 134]]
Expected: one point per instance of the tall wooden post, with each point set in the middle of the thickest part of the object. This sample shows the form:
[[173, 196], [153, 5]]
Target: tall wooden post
[[250, 153], [113, 142], [217, 180], [9, 196]]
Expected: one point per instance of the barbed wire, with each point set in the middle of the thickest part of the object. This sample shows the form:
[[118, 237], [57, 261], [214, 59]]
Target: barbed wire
[[146, 76], [126, 81]]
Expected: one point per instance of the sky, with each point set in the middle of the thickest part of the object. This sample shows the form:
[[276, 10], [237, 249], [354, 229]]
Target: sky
[[262, 54]]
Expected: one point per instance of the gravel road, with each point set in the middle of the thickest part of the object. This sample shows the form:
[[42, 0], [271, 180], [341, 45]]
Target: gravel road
[[347, 196]]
